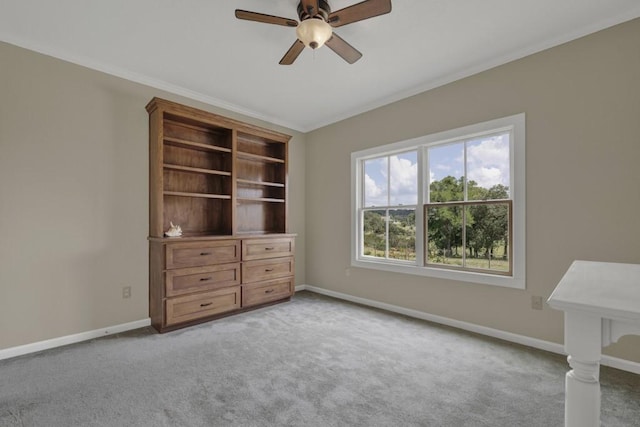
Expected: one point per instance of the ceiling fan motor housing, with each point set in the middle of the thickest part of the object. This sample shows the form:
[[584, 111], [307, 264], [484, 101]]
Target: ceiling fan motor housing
[[324, 10]]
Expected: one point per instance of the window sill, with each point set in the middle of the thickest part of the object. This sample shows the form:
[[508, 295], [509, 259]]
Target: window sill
[[460, 276]]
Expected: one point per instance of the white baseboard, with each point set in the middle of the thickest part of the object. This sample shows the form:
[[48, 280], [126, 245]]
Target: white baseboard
[[614, 362], [71, 339]]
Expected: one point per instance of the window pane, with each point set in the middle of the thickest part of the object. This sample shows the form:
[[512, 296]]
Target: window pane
[[446, 173], [403, 169], [488, 237], [444, 235], [375, 182], [488, 168], [402, 234], [374, 233]]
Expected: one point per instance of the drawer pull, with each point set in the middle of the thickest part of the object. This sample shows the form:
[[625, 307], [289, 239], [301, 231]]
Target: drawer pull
[[205, 253], [204, 279], [204, 305], [269, 249], [267, 270], [268, 291]]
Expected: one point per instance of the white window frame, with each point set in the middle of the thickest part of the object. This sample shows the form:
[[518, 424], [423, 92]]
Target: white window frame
[[516, 126], [386, 207]]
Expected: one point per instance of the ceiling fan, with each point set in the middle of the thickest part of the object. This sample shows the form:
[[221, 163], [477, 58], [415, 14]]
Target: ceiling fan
[[316, 25]]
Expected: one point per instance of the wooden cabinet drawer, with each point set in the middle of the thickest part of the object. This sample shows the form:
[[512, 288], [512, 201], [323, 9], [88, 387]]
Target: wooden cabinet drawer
[[254, 271], [196, 254], [267, 248], [264, 292], [191, 307], [196, 279]]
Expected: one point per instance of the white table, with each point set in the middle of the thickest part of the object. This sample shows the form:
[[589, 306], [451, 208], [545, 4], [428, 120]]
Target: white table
[[601, 303]]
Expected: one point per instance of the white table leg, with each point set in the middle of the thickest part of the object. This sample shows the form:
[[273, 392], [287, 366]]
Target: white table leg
[[583, 343]]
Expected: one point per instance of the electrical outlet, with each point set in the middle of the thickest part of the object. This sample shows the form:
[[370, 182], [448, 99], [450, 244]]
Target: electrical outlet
[[347, 272], [536, 302], [126, 292]]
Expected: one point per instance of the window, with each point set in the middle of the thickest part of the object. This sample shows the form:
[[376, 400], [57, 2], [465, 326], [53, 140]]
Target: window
[[468, 208], [389, 207], [448, 205]]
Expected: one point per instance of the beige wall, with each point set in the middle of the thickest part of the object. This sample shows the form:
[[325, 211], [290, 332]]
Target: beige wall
[[582, 105], [74, 197]]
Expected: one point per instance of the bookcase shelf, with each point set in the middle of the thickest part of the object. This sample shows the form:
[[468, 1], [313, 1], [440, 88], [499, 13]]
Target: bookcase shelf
[[258, 158], [196, 170], [194, 145], [260, 199], [268, 184], [204, 195]]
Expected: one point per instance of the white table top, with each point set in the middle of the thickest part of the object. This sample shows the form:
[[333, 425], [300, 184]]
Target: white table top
[[609, 289]]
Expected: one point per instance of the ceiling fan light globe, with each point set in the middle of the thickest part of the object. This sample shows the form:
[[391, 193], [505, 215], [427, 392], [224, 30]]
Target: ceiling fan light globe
[[314, 32]]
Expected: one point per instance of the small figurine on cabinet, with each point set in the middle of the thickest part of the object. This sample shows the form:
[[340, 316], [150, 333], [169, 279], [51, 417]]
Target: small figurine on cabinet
[[173, 231]]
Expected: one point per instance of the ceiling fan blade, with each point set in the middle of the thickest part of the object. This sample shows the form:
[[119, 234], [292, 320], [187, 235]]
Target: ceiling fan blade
[[292, 53], [267, 19], [310, 6], [344, 49], [359, 11]]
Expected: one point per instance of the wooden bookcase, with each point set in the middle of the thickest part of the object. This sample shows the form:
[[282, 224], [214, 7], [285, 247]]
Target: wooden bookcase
[[224, 182]]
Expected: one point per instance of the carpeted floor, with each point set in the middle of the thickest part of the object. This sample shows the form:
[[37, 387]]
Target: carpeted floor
[[314, 361]]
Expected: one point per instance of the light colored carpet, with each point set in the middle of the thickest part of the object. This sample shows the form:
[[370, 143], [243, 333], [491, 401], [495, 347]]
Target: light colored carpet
[[314, 361]]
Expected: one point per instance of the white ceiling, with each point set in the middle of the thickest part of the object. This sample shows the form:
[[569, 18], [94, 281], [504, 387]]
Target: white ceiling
[[197, 48]]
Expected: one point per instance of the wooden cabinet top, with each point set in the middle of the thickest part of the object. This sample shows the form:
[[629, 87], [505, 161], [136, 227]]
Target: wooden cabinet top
[[221, 237], [213, 119]]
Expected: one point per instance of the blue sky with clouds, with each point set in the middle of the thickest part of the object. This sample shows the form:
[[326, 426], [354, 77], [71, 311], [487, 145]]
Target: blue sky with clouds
[[393, 180]]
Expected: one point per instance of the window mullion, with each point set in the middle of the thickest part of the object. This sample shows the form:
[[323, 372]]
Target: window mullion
[[386, 252], [464, 172], [360, 203], [465, 197], [361, 232], [386, 249], [420, 237], [464, 235]]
